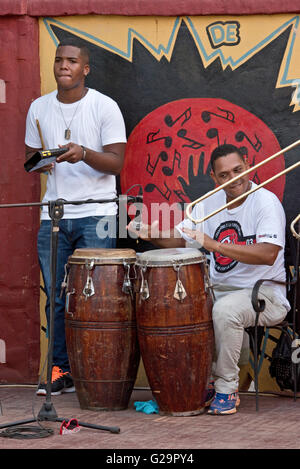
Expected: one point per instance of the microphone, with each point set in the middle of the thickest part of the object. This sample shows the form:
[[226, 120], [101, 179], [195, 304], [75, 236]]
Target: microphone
[[137, 222], [42, 158]]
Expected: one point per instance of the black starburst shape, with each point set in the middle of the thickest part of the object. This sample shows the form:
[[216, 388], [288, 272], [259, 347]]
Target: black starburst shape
[[145, 83]]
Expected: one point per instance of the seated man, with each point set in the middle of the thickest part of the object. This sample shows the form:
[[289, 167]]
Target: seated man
[[246, 242]]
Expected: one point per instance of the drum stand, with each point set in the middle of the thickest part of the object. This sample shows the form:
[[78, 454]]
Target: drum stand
[[48, 412]]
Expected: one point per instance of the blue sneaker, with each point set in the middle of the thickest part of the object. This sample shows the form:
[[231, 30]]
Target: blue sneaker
[[224, 404], [210, 393]]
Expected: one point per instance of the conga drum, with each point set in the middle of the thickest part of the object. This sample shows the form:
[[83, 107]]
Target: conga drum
[[175, 330], [100, 322]]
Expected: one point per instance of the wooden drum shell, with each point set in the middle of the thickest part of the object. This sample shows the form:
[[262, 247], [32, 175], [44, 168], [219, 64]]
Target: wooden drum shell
[[176, 338], [101, 332]]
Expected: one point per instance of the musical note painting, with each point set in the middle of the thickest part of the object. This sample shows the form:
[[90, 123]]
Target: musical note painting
[[186, 85], [176, 169]]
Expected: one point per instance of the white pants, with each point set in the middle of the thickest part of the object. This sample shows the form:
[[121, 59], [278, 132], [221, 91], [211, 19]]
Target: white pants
[[232, 312]]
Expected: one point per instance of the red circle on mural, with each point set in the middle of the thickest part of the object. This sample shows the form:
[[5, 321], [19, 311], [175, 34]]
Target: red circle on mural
[[168, 152]]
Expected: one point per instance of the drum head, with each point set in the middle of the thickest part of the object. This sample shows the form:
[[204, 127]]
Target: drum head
[[169, 257], [103, 256]]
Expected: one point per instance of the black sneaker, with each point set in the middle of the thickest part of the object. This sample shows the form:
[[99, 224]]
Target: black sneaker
[[61, 382]]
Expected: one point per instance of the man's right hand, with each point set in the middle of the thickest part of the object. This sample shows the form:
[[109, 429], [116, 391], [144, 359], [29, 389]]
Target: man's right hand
[[45, 169], [143, 231]]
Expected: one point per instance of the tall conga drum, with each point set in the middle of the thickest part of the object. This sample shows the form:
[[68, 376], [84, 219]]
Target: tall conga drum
[[175, 330], [100, 322]]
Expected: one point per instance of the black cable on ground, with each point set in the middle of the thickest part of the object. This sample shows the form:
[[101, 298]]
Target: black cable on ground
[[23, 433]]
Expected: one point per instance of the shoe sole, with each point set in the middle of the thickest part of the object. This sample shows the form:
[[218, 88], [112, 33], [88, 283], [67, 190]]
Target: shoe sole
[[43, 392], [224, 412]]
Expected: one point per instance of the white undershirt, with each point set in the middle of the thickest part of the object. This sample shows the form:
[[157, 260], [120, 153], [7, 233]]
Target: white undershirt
[[96, 121]]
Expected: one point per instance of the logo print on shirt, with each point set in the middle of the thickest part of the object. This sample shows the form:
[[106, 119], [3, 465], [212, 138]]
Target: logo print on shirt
[[229, 232]]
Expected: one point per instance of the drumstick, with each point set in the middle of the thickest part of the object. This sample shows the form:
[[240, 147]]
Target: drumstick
[[41, 137], [40, 133]]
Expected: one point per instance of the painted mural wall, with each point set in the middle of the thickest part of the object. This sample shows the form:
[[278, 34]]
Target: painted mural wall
[[183, 83], [187, 84]]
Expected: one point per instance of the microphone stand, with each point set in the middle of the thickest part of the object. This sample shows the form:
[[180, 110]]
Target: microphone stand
[[56, 212]]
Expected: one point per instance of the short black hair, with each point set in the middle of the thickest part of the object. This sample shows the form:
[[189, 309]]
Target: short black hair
[[76, 42], [224, 150]]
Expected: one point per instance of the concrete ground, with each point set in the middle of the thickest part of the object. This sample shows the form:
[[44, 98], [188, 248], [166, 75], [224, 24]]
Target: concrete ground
[[274, 426]]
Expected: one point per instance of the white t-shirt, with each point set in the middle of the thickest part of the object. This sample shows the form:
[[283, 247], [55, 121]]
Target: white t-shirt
[[95, 121], [260, 219]]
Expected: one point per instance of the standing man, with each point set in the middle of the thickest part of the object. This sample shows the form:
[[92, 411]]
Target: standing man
[[246, 242], [90, 125]]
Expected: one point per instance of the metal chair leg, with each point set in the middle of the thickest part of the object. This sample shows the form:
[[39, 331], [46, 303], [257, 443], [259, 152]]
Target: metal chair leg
[[256, 367]]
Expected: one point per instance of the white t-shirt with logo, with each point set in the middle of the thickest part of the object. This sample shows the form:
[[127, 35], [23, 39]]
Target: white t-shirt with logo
[[95, 121], [260, 219]]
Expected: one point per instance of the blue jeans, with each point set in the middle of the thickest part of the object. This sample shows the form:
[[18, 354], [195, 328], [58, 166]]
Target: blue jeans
[[73, 234]]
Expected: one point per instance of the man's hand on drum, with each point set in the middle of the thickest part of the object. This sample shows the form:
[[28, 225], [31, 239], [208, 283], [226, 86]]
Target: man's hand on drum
[[144, 231], [203, 239]]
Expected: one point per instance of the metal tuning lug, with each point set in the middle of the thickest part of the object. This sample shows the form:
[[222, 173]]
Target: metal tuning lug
[[144, 288], [89, 289], [179, 292], [68, 302], [64, 283], [127, 285], [207, 283]]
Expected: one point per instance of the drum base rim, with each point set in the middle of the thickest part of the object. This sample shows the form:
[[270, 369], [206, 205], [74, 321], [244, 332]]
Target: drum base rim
[[103, 409], [189, 413]]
